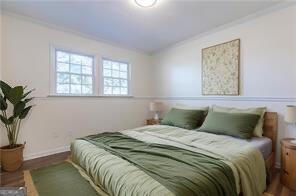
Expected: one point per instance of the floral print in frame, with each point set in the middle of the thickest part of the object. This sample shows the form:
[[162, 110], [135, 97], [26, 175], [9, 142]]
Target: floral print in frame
[[220, 69]]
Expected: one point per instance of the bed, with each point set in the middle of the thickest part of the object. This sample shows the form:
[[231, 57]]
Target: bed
[[166, 160]]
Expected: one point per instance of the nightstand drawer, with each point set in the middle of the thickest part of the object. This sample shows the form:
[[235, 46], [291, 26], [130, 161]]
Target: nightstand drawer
[[288, 179], [288, 171], [288, 159]]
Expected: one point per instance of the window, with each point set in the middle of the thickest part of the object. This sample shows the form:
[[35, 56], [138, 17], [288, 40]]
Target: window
[[74, 73], [115, 78]]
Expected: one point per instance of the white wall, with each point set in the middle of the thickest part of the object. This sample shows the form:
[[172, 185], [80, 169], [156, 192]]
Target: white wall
[[2, 133], [268, 66], [55, 121], [268, 77]]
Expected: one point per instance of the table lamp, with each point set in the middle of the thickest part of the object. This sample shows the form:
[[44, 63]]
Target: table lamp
[[156, 107], [290, 116]]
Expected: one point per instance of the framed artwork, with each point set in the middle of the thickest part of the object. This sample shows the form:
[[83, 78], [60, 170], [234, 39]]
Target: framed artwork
[[221, 69]]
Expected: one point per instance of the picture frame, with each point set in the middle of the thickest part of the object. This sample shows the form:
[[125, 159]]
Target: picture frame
[[221, 69]]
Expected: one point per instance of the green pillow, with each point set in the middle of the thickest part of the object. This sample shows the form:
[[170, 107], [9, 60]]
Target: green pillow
[[187, 119], [258, 130], [239, 125]]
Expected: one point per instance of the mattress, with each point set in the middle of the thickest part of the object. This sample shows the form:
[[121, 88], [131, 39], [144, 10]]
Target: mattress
[[263, 144], [119, 172]]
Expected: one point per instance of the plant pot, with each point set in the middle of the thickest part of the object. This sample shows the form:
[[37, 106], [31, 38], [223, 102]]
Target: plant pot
[[11, 158]]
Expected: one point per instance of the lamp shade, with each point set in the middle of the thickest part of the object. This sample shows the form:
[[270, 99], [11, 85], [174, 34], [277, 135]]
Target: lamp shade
[[290, 115], [155, 106]]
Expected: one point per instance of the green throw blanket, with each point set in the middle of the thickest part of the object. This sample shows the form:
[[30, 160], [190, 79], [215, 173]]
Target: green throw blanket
[[181, 171]]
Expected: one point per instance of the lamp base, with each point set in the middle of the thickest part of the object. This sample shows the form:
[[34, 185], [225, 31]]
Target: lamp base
[[156, 116]]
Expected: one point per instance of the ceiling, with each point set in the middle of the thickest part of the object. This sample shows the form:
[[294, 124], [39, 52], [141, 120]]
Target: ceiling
[[146, 29]]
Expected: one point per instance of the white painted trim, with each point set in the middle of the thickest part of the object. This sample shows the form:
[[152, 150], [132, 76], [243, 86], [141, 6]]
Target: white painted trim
[[129, 79], [250, 17], [68, 30], [52, 70], [205, 98], [232, 98], [53, 97], [277, 165], [47, 153], [53, 64]]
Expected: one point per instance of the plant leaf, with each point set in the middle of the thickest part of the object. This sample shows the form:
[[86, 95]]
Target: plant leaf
[[27, 93], [10, 119], [28, 100], [4, 120], [3, 104], [15, 94], [5, 88], [18, 108], [25, 112]]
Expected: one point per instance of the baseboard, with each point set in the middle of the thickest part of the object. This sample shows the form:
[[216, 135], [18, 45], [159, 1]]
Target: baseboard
[[277, 165], [46, 153]]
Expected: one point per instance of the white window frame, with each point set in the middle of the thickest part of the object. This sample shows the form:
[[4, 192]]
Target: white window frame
[[53, 72], [129, 92]]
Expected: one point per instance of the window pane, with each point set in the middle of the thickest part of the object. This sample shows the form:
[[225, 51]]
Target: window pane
[[115, 77], [123, 91], [107, 72], [107, 64], [86, 89], [74, 73], [123, 74], [63, 67], [75, 68], [123, 67], [63, 88], [75, 79], [116, 90], [123, 83], [87, 61], [62, 57], [86, 70], [115, 73], [115, 65], [86, 80], [63, 78], [116, 82], [75, 89], [76, 59], [107, 90], [107, 82]]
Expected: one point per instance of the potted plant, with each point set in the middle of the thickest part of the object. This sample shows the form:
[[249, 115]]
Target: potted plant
[[13, 100]]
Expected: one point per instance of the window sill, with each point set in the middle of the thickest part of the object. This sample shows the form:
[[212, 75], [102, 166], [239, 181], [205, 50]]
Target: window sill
[[92, 96]]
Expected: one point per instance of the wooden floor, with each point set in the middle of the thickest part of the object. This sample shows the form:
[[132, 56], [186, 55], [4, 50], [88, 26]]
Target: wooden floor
[[275, 188], [16, 178]]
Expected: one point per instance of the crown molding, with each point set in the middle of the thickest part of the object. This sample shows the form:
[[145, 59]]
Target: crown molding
[[71, 31], [266, 11], [242, 20]]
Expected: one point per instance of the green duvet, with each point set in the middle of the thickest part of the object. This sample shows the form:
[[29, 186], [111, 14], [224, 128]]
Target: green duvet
[[164, 160]]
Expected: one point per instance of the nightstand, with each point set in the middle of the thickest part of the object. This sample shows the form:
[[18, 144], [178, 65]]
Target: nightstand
[[152, 122], [288, 171]]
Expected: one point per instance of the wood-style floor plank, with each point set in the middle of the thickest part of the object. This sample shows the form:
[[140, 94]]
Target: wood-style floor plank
[[16, 179]]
